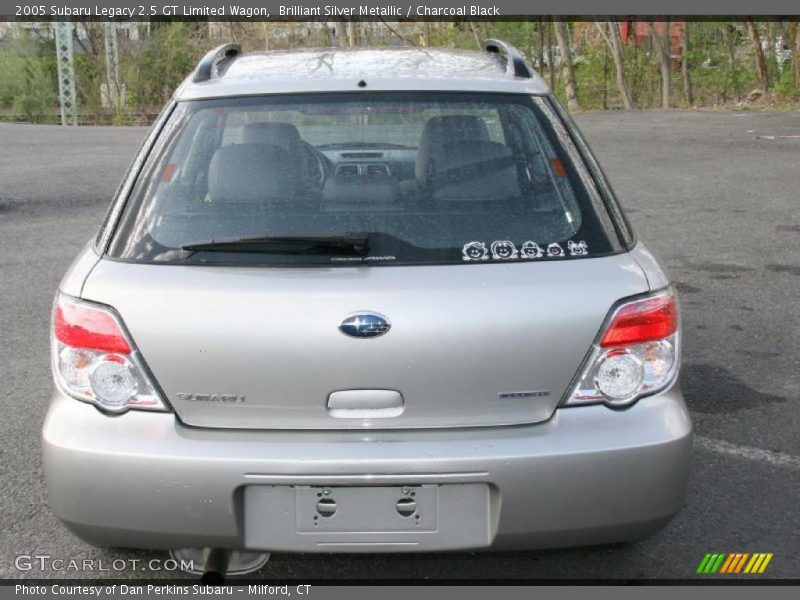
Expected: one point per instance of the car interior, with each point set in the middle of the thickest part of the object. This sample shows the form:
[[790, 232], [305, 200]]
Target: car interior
[[455, 161], [235, 174]]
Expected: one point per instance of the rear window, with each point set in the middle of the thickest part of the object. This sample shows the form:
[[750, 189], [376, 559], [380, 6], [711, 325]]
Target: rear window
[[361, 178]]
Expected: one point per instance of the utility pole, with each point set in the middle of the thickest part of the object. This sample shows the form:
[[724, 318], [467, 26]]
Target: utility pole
[[66, 73]]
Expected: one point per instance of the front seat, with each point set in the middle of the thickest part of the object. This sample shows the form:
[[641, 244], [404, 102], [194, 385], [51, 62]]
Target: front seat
[[456, 160], [286, 137], [245, 177]]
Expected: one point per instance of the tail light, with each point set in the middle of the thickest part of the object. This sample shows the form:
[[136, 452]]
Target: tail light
[[637, 354], [95, 360]]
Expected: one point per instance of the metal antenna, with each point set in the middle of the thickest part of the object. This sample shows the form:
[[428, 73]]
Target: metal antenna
[[66, 73]]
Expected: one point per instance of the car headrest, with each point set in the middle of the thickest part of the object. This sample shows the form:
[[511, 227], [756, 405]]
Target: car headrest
[[277, 134], [482, 170], [252, 173], [441, 132]]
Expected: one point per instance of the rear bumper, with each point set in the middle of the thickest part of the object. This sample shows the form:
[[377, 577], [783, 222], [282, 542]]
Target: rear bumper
[[588, 475]]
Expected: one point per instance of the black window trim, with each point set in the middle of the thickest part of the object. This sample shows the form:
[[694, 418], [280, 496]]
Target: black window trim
[[622, 226], [123, 192]]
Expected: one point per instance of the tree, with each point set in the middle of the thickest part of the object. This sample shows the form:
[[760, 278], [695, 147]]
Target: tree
[[426, 33], [27, 87], [662, 48], [476, 34], [551, 62], [266, 35], [797, 55], [570, 85], [540, 48], [761, 64], [685, 66], [352, 30], [609, 30]]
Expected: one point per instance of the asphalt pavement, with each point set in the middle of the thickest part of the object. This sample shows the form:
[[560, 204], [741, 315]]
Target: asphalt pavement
[[716, 195]]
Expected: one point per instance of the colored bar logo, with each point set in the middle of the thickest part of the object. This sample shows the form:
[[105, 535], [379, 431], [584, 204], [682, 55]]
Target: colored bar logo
[[734, 563]]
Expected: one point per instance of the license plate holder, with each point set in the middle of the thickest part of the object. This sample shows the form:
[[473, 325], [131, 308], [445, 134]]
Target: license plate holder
[[452, 516], [366, 509]]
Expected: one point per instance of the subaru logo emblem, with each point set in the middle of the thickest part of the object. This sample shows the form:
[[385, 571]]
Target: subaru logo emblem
[[365, 325]]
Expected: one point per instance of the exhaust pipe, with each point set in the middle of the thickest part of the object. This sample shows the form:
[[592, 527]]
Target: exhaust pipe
[[216, 566], [219, 561]]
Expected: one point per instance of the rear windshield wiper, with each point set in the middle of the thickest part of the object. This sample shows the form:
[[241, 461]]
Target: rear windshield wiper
[[286, 244]]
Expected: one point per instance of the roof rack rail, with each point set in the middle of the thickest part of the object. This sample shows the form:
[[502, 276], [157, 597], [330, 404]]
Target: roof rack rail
[[212, 61], [515, 63]]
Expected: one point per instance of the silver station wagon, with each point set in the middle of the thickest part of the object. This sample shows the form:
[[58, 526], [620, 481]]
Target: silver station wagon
[[367, 300]]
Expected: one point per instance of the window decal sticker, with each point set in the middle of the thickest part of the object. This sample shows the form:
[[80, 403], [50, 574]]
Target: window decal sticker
[[475, 251], [531, 250], [504, 250], [578, 249]]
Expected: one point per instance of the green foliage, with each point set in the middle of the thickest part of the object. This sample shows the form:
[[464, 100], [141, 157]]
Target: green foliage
[[27, 86], [12, 82], [38, 95], [154, 62], [153, 72], [723, 64], [519, 34], [594, 72], [90, 69], [785, 86]]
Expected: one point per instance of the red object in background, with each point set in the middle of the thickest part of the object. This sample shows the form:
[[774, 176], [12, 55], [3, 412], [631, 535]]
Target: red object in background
[[639, 33], [558, 167], [169, 172], [624, 31]]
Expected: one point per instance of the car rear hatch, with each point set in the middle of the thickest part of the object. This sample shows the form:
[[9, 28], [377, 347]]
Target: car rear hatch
[[261, 348]]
